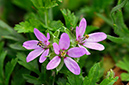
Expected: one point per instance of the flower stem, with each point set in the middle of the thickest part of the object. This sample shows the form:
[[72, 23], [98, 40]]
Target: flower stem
[[46, 17]]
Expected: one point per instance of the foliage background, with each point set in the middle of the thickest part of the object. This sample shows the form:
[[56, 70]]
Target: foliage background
[[19, 17]]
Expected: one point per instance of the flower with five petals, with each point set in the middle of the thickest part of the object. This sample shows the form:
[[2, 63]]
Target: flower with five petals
[[90, 41], [62, 52], [40, 47]]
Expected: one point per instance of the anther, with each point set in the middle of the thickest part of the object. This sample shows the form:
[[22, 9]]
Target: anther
[[40, 44], [63, 53], [86, 36]]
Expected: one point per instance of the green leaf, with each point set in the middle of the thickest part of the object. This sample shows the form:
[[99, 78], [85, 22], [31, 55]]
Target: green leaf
[[6, 27], [1, 46], [110, 80], [32, 66], [71, 36], [31, 79], [90, 29], [2, 57], [125, 76], [16, 46], [44, 4], [60, 0], [24, 4], [100, 5], [119, 26], [8, 33], [8, 69], [70, 18], [116, 8], [61, 81], [117, 39], [54, 37], [54, 25], [74, 79], [93, 75], [27, 26], [57, 33], [58, 68], [124, 64], [17, 78]]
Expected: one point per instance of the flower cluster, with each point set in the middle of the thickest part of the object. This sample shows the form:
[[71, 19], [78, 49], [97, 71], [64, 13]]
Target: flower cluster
[[63, 50]]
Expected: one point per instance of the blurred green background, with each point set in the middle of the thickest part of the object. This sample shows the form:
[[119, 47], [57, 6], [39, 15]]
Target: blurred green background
[[99, 19]]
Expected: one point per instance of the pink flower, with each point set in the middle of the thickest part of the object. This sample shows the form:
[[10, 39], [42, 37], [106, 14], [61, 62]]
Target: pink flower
[[40, 47], [61, 51], [90, 41]]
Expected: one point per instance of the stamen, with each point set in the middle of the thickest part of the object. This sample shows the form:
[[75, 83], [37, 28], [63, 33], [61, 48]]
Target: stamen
[[40, 44], [86, 36], [63, 53]]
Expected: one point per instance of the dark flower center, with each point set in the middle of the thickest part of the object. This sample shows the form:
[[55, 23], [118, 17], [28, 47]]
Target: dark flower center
[[41, 44]]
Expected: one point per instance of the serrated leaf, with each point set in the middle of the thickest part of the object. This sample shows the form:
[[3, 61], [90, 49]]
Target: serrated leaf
[[2, 57], [124, 64], [70, 18], [110, 80], [31, 79], [119, 27], [8, 69], [125, 76], [44, 4], [93, 75], [27, 26], [74, 79], [116, 8], [55, 25], [32, 66]]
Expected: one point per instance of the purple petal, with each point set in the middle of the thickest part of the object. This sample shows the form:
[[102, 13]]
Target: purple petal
[[86, 51], [33, 54], [72, 65], [56, 48], [31, 44], [53, 63], [39, 35], [82, 27], [95, 46], [77, 35], [76, 52], [42, 57], [64, 41], [96, 37], [48, 36]]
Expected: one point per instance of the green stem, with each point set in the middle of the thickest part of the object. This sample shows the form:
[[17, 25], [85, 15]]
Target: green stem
[[119, 1], [46, 17]]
